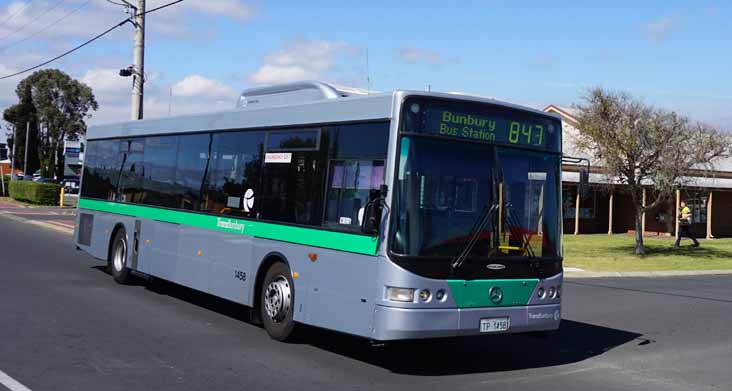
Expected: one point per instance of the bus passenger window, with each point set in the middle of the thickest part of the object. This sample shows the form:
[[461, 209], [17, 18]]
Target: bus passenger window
[[193, 163], [233, 174], [293, 140], [132, 170], [158, 182], [348, 190]]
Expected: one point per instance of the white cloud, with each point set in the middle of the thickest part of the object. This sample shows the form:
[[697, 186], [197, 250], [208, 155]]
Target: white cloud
[[301, 59], [51, 20], [51, 23], [199, 86], [417, 55], [659, 29], [106, 81], [191, 94], [229, 8]]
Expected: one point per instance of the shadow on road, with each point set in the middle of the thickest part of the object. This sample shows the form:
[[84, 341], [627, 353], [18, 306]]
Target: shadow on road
[[573, 342]]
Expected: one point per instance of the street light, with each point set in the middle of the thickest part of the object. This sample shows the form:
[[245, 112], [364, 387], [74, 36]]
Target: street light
[[127, 72]]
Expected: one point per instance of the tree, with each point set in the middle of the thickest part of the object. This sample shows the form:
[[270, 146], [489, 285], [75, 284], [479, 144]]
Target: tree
[[21, 117], [639, 145], [56, 106]]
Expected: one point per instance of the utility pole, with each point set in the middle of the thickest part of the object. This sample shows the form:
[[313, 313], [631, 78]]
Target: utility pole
[[12, 159], [25, 159], [138, 66], [137, 69]]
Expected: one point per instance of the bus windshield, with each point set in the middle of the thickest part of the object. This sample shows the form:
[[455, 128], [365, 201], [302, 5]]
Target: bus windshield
[[446, 186]]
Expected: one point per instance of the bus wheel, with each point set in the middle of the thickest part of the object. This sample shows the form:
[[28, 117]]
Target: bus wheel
[[277, 302], [117, 262]]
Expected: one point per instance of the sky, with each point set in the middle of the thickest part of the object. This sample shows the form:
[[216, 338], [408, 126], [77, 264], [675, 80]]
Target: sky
[[201, 54]]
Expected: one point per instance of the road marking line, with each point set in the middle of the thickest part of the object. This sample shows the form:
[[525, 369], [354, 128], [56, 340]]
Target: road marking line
[[12, 384]]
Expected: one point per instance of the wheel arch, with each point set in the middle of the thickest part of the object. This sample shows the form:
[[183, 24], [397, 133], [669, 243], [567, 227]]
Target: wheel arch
[[116, 229], [267, 261]]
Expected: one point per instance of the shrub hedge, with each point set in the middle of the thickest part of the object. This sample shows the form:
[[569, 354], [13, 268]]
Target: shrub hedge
[[35, 193]]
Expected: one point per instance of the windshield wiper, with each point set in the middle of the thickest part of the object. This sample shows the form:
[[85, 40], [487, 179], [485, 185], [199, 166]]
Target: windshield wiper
[[486, 215]]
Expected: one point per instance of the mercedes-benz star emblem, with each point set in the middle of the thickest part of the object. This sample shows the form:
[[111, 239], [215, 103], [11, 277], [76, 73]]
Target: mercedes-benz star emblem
[[495, 294]]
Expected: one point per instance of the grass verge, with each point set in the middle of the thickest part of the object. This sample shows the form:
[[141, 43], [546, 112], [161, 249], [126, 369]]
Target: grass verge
[[605, 253]]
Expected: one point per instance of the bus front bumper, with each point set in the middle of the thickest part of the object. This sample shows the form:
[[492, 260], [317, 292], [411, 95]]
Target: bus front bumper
[[392, 323]]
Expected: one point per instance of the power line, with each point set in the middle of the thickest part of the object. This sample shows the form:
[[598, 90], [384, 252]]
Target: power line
[[57, 21], [58, 3], [162, 6], [105, 32], [21, 9], [120, 4]]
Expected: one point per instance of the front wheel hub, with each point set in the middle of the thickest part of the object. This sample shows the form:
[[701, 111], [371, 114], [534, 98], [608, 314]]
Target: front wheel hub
[[277, 299]]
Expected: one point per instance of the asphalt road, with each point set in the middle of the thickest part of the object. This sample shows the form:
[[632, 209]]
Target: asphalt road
[[65, 325]]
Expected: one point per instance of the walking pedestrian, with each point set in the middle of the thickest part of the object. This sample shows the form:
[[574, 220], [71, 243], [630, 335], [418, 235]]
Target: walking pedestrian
[[685, 225]]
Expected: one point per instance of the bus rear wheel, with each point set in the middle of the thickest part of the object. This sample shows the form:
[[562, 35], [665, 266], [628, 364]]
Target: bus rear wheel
[[117, 262], [277, 302]]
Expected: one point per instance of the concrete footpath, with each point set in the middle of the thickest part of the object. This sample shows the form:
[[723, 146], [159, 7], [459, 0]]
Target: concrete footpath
[[59, 219]]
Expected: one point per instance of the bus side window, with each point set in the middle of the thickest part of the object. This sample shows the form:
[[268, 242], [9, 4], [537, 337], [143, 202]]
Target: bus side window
[[158, 181], [233, 174], [191, 167], [348, 190], [357, 153], [131, 170], [292, 185], [101, 170]]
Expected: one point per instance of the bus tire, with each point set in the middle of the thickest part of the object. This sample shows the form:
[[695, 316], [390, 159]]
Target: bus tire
[[277, 302], [118, 254]]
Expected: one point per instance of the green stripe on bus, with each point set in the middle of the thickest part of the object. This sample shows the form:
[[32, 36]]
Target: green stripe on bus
[[360, 244], [477, 293]]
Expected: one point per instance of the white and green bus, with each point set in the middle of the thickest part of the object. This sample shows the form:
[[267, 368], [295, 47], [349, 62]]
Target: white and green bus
[[387, 216]]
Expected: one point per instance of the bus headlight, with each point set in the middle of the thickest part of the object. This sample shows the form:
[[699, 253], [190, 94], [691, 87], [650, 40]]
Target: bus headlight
[[552, 293], [541, 293], [425, 295], [405, 295]]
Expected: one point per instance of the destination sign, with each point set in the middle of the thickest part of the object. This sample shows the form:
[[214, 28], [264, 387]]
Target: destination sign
[[483, 123]]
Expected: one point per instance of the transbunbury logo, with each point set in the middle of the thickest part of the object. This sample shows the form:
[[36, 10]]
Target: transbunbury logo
[[495, 294], [248, 200]]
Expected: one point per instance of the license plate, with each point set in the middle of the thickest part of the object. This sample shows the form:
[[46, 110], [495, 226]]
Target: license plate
[[492, 325]]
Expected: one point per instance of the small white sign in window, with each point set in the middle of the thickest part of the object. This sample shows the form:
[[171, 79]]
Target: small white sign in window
[[537, 176], [280, 157], [233, 202], [345, 220]]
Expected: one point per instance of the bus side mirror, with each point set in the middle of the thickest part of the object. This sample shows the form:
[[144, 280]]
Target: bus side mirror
[[584, 183], [372, 211]]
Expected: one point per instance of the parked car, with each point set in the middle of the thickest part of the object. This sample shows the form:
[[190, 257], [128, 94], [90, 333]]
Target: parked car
[[44, 180]]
